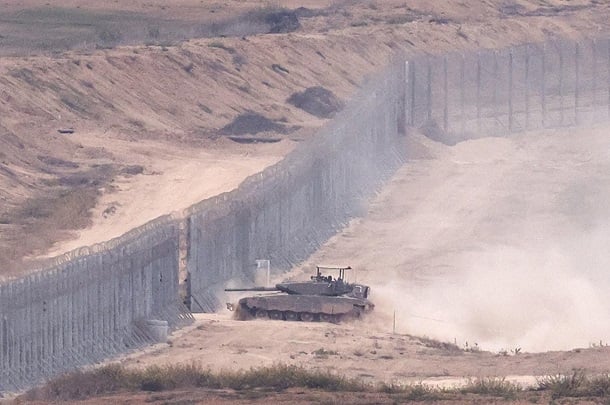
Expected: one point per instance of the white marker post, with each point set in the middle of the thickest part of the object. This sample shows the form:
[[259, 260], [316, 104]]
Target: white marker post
[[264, 265]]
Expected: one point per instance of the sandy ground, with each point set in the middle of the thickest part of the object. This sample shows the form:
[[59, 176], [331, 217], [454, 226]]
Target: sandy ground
[[365, 350], [174, 178], [495, 245]]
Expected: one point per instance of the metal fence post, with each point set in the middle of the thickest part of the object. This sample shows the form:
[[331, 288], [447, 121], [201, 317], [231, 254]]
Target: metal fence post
[[495, 89], [593, 79], [527, 87], [577, 84], [543, 86], [429, 90], [478, 92], [446, 96], [462, 94], [561, 83], [412, 83], [510, 91], [608, 73]]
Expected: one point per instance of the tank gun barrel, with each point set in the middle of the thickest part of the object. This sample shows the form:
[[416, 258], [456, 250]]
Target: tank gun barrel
[[253, 289]]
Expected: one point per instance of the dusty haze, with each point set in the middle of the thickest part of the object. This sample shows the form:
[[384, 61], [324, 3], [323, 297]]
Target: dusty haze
[[499, 242]]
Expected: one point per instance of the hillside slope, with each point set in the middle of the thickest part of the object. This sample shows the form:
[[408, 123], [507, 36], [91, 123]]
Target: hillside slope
[[74, 122]]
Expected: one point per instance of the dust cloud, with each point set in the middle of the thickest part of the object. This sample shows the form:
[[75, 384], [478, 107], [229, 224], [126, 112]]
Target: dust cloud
[[497, 244], [510, 299]]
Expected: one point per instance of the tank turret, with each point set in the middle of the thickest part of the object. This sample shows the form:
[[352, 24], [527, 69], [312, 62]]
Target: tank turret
[[322, 298]]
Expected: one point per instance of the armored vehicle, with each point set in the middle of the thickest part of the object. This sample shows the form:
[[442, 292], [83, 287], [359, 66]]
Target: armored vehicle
[[323, 298]]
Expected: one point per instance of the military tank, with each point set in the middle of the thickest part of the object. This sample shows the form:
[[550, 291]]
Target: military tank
[[323, 298]]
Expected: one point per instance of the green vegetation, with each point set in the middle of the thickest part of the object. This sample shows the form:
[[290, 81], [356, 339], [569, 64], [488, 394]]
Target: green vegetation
[[116, 378]]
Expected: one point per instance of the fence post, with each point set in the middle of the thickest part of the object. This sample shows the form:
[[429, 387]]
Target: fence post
[[510, 91], [462, 95], [446, 95], [411, 83], [577, 84], [543, 86], [429, 90], [594, 79], [3, 366], [561, 83], [527, 87], [478, 92], [184, 238], [608, 72], [495, 90]]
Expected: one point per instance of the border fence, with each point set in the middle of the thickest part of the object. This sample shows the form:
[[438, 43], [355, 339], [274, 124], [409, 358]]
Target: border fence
[[497, 92], [289, 210], [95, 302], [92, 304]]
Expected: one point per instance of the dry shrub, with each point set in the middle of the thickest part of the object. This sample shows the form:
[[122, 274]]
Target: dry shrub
[[437, 344], [415, 392], [282, 376], [63, 205], [81, 384], [599, 386], [496, 387], [115, 378], [574, 385], [169, 377]]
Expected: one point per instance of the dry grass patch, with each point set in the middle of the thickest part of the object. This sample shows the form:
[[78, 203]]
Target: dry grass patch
[[115, 378], [576, 385]]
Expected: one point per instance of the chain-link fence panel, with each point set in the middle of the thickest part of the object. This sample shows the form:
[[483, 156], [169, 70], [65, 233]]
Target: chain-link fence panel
[[555, 84], [89, 307]]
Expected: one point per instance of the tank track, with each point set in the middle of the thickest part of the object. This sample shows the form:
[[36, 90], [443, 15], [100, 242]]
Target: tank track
[[245, 313]]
